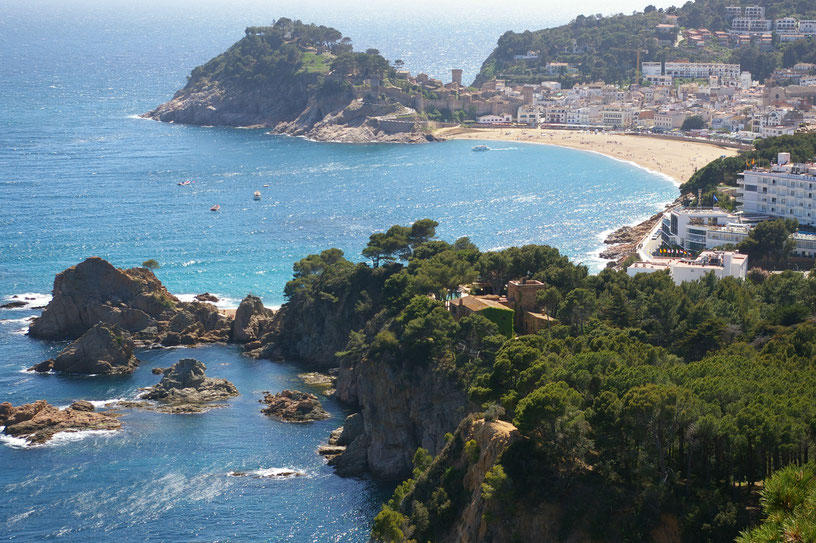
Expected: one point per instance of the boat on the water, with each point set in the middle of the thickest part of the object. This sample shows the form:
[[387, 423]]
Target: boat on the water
[[256, 195], [481, 148], [216, 207], [184, 183]]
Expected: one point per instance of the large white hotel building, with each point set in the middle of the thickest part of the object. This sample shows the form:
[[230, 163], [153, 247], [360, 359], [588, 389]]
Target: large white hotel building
[[783, 190]]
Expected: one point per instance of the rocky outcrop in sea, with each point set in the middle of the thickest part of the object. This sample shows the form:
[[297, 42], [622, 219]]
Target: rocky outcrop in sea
[[39, 421], [252, 320], [185, 388], [103, 349], [134, 300], [293, 406]]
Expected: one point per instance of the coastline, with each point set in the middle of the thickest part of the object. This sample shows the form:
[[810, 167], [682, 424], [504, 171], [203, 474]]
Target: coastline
[[674, 159]]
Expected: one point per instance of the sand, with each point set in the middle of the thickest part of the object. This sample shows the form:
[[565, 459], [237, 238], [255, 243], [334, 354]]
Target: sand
[[676, 159]]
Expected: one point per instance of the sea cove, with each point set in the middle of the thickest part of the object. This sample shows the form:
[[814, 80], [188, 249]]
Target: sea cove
[[83, 176]]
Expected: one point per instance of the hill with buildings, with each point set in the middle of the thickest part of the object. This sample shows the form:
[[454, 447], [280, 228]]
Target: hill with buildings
[[298, 79], [761, 37]]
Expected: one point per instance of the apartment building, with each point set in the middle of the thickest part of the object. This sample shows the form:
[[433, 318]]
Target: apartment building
[[783, 190]]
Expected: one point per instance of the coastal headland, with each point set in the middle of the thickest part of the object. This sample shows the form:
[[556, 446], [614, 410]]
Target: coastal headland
[[675, 158]]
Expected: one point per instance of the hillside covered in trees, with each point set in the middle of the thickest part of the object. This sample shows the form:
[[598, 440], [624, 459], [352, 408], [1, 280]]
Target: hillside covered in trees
[[295, 78], [646, 406], [595, 44]]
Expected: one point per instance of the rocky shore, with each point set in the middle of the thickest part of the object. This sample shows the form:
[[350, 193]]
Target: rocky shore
[[624, 241], [38, 422]]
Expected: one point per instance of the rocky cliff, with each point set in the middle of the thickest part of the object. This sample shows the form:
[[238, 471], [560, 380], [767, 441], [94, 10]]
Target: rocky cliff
[[134, 300], [103, 349], [401, 407]]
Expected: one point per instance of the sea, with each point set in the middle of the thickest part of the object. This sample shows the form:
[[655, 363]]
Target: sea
[[82, 175]]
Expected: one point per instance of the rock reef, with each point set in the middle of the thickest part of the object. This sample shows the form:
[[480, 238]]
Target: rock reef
[[293, 406], [38, 422], [185, 388]]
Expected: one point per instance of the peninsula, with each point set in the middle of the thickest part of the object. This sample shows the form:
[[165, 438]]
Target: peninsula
[[301, 80]]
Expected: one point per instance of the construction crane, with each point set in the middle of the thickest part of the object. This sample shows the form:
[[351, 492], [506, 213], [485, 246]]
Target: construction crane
[[637, 65]]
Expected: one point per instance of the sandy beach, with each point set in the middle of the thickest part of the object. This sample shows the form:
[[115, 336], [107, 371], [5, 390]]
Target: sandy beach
[[676, 159]]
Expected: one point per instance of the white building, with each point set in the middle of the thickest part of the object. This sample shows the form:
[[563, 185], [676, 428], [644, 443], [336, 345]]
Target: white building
[[745, 25], [618, 117], [668, 120], [787, 25], [755, 12], [784, 190], [722, 263], [530, 115], [494, 119], [651, 68], [691, 228], [807, 28], [728, 74]]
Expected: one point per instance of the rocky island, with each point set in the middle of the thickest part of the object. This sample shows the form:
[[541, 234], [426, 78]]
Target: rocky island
[[132, 301], [293, 406], [103, 349], [185, 389], [302, 80]]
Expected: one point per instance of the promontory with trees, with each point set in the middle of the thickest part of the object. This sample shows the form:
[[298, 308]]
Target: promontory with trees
[[647, 410], [298, 79]]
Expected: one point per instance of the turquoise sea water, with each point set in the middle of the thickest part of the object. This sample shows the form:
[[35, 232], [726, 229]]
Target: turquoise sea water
[[81, 176]]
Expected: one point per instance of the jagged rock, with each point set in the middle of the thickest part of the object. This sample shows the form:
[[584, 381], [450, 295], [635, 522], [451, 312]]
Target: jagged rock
[[135, 300], [353, 462], [43, 367], [293, 406], [38, 422], [252, 320], [353, 427], [185, 386], [104, 349], [157, 371], [206, 297], [16, 304], [82, 405]]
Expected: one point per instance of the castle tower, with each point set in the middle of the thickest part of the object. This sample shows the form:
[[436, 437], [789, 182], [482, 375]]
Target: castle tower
[[456, 75]]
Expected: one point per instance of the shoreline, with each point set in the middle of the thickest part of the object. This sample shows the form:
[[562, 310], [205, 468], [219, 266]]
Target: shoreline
[[675, 160]]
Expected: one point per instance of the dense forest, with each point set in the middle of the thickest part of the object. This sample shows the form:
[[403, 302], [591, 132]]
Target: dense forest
[[600, 46], [802, 148], [645, 398]]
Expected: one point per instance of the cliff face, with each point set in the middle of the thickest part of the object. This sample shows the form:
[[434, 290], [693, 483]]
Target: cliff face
[[402, 408]]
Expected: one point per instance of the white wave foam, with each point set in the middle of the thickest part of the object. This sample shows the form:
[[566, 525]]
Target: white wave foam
[[268, 473], [31, 299], [104, 403], [60, 438], [17, 518], [224, 302]]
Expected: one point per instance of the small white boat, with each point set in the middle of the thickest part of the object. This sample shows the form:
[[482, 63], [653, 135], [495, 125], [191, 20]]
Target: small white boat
[[183, 183], [480, 148], [256, 195], [216, 207]]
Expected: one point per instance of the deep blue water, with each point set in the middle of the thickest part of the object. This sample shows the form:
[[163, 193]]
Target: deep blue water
[[80, 176]]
